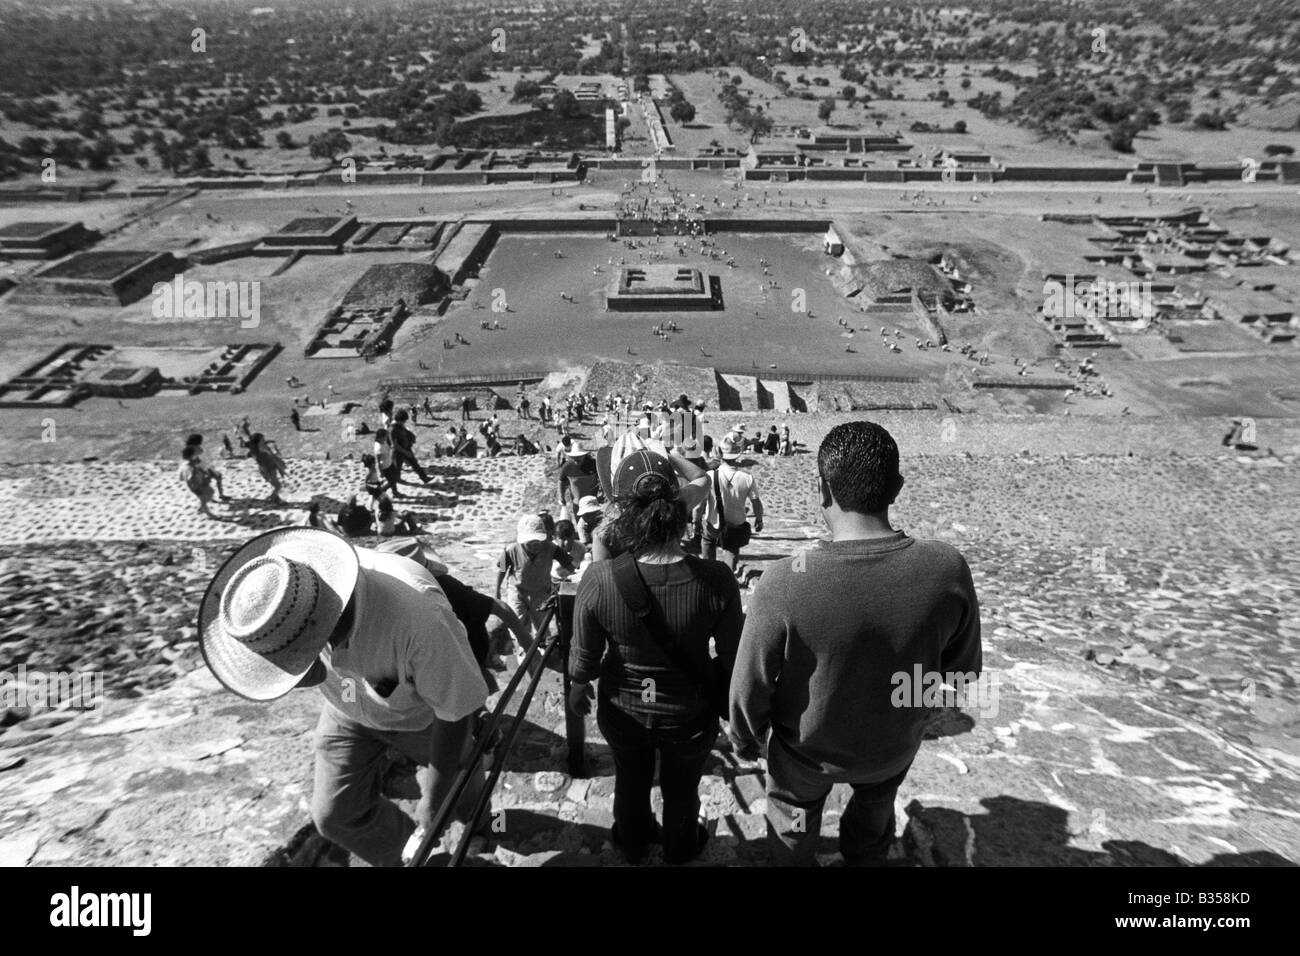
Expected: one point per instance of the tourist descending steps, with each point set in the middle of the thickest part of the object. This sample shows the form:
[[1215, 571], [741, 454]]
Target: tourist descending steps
[[726, 525], [578, 478], [528, 561], [386, 459], [301, 607], [269, 464], [642, 624], [197, 478], [195, 441], [403, 442], [830, 633]]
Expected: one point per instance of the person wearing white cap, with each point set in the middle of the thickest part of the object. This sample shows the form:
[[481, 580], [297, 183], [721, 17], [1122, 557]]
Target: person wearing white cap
[[529, 562], [301, 607], [726, 521]]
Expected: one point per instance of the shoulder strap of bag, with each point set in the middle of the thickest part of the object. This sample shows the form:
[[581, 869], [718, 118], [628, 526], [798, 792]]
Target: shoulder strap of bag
[[632, 588], [717, 496]]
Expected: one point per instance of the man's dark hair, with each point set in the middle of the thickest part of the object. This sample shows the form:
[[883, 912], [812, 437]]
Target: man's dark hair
[[859, 462]]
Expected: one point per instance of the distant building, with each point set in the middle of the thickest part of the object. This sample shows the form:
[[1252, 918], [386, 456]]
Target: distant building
[[832, 243], [853, 141], [661, 287], [44, 240], [319, 234], [611, 129], [118, 277], [893, 280]]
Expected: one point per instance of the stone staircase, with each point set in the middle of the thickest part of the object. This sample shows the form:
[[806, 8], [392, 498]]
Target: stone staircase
[[1121, 738]]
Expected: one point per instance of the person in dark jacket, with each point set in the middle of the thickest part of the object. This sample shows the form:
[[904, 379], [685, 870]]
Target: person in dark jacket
[[844, 652], [649, 702]]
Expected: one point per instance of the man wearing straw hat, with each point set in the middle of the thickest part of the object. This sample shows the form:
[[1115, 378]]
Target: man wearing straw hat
[[578, 477], [725, 525], [301, 607]]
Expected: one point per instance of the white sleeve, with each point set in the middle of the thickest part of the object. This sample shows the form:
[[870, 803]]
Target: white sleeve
[[443, 668]]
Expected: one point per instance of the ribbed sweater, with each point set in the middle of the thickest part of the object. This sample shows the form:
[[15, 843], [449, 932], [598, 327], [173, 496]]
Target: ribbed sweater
[[828, 635], [610, 644]]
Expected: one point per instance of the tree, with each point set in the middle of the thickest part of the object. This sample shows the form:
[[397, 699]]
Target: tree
[[526, 89], [1278, 149], [90, 123], [99, 153], [284, 139], [328, 145], [682, 111], [1177, 111], [1121, 136], [471, 69], [565, 105], [959, 126], [825, 109], [850, 93]]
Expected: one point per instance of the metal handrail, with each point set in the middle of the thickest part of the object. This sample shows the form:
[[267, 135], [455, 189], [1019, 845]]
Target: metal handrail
[[501, 750]]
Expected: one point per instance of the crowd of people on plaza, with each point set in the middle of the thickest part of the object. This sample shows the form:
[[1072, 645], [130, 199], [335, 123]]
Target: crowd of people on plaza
[[653, 516]]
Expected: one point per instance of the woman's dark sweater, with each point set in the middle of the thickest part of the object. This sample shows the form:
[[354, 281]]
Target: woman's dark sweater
[[699, 599]]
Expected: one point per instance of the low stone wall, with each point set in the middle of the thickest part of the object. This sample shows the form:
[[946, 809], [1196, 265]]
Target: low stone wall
[[551, 224], [1108, 174]]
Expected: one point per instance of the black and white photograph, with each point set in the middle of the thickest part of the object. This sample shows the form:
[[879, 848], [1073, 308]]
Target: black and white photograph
[[653, 436]]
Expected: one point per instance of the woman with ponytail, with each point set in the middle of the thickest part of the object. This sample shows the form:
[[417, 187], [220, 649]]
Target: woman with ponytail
[[642, 626]]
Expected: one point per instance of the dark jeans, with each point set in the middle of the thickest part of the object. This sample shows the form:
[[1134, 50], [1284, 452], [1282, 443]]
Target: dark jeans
[[796, 796], [407, 457], [682, 750]]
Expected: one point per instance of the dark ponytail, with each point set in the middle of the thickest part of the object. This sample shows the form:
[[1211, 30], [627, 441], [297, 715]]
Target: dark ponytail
[[648, 522]]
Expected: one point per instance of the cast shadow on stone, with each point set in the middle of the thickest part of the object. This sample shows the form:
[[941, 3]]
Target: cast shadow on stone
[[1017, 832]]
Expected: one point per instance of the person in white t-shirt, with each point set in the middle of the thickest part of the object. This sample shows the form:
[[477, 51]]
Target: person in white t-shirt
[[736, 488], [301, 607]]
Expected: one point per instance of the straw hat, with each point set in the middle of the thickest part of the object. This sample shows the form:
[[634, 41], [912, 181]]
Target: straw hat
[[730, 449], [588, 504], [271, 608]]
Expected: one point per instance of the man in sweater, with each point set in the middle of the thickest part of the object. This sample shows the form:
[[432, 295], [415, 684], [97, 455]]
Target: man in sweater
[[831, 635]]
